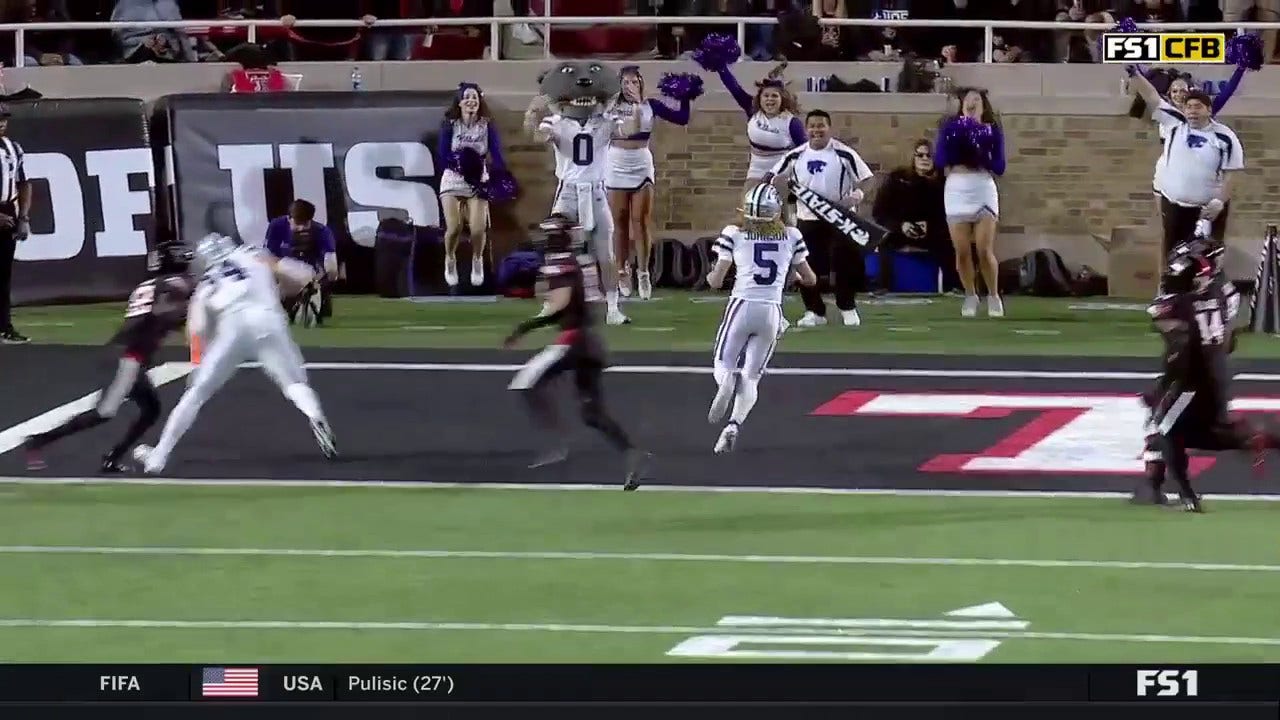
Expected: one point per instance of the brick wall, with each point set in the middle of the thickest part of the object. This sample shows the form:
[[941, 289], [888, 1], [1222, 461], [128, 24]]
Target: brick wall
[[1052, 189]]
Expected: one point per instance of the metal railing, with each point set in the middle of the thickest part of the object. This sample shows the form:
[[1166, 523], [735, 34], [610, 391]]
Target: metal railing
[[546, 22]]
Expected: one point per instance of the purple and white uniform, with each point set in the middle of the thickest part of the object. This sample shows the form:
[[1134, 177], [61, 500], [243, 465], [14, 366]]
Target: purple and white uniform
[[632, 168], [456, 136]]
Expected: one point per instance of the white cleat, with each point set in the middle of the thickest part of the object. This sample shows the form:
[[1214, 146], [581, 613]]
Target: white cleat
[[851, 318], [324, 438], [146, 458], [451, 271], [477, 274], [728, 438], [811, 320], [970, 306], [615, 317], [786, 324], [995, 306], [646, 286], [723, 399]]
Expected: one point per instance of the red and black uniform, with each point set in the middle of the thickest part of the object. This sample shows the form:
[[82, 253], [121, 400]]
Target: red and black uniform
[[1189, 403], [577, 349], [157, 307]]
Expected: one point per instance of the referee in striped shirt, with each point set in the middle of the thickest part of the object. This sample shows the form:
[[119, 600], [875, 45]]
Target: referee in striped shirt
[[15, 204]]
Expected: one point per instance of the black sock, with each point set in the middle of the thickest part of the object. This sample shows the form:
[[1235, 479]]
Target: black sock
[[601, 421], [141, 425], [79, 423]]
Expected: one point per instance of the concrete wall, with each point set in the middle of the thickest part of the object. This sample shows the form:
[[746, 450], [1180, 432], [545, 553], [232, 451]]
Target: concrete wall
[[1079, 165]]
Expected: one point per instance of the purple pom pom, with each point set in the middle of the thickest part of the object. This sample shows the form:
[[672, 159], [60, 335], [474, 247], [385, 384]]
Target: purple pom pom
[[967, 141], [501, 187], [717, 52], [1245, 50], [470, 165], [681, 86], [1126, 25]]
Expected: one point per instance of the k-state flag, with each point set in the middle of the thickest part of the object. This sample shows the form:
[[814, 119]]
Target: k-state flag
[[864, 232], [229, 682]]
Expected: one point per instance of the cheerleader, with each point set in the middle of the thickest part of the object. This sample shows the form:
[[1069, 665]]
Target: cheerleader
[[774, 125], [971, 152], [631, 174], [475, 174]]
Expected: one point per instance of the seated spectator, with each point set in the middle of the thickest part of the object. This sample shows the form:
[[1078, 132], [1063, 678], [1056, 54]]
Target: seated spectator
[[309, 247], [43, 47], [909, 205], [950, 44], [325, 43], [1010, 45], [1081, 46], [142, 44], [393, 43], [257, 72]]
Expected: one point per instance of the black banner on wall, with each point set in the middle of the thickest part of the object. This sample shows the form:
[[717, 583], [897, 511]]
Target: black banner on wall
[[92, 176], [234, 161]]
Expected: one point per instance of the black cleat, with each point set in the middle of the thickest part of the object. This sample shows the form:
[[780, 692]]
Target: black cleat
[[13, 337], [113, 465], [637, 465], [1192, 504]]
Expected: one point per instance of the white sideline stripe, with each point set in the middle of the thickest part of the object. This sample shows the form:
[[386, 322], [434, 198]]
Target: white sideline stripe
[[14, 436], [640, 556], [796, 371], [648, 488], [629, 629]]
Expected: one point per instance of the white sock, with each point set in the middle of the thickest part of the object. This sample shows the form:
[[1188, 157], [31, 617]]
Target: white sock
[[745, 399], [305, 399], [611, 297], [179, 422], [720, 373]]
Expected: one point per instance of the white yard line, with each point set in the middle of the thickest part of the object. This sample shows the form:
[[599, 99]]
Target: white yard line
[[14, 436], [618, 629], [553, 555], [786, 371], [598, 487]]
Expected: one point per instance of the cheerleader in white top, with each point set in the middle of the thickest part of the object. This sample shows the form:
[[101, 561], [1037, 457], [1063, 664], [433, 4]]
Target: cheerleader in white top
[[970, 151], [475, 175], [774, 125], [631, 173]]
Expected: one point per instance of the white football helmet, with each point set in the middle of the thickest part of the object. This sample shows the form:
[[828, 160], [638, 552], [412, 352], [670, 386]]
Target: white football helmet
[[213, 249], [762, 203]]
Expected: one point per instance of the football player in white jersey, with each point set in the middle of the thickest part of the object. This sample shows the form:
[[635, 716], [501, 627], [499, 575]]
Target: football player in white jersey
[[239, 295], [766, 252]]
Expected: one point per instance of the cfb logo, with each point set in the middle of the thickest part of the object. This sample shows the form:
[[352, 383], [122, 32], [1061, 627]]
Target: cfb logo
[[1168, 683], [1164, 47]]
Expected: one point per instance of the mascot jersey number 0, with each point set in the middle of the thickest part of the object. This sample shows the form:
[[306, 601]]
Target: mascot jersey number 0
[[579, 127]]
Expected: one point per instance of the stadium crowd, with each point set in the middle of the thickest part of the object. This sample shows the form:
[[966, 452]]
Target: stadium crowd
[[798, 29]]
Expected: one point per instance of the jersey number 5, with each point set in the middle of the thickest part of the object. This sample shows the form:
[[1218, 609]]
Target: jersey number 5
[[766, 263], [584, 149]]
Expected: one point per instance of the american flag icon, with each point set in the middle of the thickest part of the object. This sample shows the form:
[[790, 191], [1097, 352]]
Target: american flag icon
[[229, 682]]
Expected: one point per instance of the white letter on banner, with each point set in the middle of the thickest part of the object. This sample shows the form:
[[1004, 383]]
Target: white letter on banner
[[417, 198], [248, 165], [307, 161], [120, 204], [66, 204]]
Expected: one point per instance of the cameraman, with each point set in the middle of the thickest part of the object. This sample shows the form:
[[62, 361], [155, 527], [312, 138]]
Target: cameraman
[[311, 247]]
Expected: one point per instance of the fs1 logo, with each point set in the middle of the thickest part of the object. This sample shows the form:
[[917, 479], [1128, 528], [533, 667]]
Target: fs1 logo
[[1168, 683], [1132, 48]]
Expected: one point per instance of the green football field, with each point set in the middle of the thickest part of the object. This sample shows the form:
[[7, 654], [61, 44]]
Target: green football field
[[331, 571]]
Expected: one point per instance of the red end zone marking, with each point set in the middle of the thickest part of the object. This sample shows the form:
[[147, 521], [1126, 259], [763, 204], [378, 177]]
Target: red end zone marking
[[1049, 421]]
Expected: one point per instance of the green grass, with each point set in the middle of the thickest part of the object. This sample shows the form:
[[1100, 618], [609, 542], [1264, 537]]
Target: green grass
[[1034, 326], [613, 609]]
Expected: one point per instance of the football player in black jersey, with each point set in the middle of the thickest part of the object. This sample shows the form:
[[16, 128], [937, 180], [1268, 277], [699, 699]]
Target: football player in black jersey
[[572, 283], [156, 307], [1188, 406]]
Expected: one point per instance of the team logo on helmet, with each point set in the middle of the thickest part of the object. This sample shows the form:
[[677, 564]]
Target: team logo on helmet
[[762, 202]]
